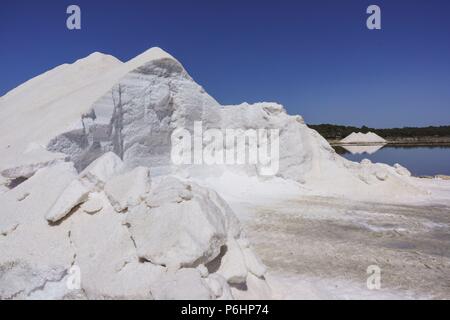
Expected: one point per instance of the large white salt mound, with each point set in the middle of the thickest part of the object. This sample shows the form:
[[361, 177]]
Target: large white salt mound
[[182, 238], [137, 116], [361, 138], [140, 103]]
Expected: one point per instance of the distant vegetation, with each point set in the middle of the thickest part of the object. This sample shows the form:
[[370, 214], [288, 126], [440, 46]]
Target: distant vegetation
[[336, 132]]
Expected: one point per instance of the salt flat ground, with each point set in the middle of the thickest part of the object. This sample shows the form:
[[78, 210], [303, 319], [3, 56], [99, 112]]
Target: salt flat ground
[[320, 248]]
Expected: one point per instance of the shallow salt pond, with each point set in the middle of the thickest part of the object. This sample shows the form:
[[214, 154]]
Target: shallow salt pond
[[421, 161]]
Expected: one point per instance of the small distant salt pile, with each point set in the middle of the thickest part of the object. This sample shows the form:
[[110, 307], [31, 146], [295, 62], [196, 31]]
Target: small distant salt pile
[[363, 138]]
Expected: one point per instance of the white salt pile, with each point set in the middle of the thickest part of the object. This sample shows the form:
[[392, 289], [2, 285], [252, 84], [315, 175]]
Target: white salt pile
[[361, 138], [87, 182]]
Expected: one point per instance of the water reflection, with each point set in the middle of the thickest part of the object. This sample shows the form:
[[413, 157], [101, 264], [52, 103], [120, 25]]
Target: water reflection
[[363, 149], [420, 160]]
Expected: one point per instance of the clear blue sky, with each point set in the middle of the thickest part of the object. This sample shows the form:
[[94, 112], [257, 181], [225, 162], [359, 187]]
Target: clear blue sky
[[316, 57]]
